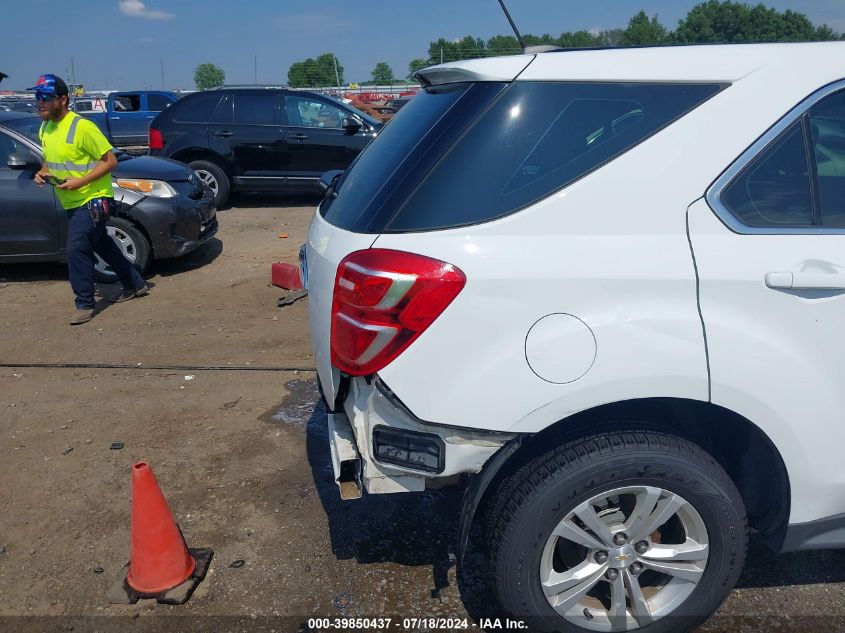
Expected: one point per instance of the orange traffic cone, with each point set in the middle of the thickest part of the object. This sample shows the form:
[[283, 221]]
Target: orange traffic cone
[[159, 558], [160, 565]]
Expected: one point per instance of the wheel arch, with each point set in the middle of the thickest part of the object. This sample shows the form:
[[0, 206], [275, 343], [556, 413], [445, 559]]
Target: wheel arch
[[140, 225], [741, 448]]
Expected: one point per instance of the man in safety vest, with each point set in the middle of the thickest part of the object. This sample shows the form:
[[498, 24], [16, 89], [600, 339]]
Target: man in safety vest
[[78, 162]]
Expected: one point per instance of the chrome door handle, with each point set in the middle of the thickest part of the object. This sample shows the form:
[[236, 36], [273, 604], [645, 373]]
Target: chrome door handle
[[224, 133], [300, 137], [805, 281]]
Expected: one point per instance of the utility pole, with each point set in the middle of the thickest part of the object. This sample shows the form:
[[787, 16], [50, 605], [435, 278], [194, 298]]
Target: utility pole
[[336, 75], [162, 73], [255, 70], [72, 72], [441, 54]]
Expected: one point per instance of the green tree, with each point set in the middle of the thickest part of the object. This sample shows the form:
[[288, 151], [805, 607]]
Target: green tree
[[712, 21], [208, 76], [723, 22], [824, 33], [612, 37], [466, 48], [503, 45], [382, 74], [414, 65], [578, 39], [642, 31], [313, 73], [539, 40], [298, 74]]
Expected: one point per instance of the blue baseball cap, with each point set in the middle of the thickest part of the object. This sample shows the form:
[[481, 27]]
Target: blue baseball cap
[[50, 85]]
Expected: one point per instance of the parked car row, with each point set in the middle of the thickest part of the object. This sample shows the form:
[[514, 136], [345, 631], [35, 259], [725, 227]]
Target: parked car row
[[261, 139], [18, 105]]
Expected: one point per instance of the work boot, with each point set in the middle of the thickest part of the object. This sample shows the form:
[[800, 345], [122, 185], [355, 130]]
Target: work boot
[[126, 295], [82, 315]]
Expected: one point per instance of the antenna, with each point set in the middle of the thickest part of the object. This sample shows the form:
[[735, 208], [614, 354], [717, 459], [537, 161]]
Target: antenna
[[513, 26]]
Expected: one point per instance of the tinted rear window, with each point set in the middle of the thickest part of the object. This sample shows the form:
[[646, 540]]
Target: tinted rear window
[[196, 108], [255, 109], [532, 140]]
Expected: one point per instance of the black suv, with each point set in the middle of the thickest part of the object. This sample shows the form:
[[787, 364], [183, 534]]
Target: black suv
[[260, 139]]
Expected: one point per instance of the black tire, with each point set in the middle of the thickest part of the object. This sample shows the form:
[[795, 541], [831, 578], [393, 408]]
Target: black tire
[[532, 502], [214, 176], [132, 242]]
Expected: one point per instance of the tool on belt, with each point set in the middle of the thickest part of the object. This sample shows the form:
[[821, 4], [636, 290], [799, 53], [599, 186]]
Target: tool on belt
[[99, 209]]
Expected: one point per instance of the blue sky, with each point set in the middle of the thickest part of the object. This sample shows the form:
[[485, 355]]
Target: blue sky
[[120, 44]]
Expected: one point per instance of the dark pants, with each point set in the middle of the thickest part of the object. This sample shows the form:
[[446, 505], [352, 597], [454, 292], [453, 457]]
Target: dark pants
[[84, 238]]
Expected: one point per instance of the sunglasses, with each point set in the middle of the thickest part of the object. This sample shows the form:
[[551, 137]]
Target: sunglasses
[[43, 96]]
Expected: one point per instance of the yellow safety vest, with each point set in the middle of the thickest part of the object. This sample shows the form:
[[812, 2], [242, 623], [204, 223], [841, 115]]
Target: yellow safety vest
[[72, 148]]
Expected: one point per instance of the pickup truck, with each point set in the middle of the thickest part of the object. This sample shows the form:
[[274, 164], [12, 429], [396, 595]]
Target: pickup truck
[[128, 115]]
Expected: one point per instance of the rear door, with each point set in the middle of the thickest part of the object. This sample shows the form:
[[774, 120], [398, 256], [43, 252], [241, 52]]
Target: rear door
[[317, 139], [255, 137], [28, 213], [770, 253]]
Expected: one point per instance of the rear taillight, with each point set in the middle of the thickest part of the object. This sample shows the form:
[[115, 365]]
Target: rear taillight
[[383, 300], [156, 139]]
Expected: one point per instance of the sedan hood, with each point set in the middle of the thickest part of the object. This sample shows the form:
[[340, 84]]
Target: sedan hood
[[151, 168]]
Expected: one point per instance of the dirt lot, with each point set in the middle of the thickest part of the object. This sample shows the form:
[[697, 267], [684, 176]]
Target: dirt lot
[[242, 458]]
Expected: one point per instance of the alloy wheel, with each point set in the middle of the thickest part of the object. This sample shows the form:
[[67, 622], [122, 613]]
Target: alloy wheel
[[208, 178], [624, 558], [126, 245]]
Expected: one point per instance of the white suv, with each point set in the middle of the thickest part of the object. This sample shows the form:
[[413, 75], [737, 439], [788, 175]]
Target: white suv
[[606, 290]]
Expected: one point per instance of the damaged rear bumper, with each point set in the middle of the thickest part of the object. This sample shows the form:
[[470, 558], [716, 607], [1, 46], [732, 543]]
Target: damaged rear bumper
[[378, 445]]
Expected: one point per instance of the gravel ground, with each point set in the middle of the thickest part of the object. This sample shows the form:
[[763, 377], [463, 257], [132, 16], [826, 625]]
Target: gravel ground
[[242, 457]]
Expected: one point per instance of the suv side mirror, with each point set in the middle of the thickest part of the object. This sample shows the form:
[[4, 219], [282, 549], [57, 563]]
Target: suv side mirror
[[351, 124], [24, 159], [327, 182]]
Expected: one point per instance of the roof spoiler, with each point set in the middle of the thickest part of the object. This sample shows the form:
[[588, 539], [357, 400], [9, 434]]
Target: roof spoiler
[[484, 69]]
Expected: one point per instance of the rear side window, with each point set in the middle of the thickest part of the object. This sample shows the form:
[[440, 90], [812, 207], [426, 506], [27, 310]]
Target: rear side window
[[519, 145], [538, 138], [223, 111], [255, 109], [196, 108]]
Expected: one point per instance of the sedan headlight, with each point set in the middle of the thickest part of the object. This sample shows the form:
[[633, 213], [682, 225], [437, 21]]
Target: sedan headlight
[[155, 188]]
